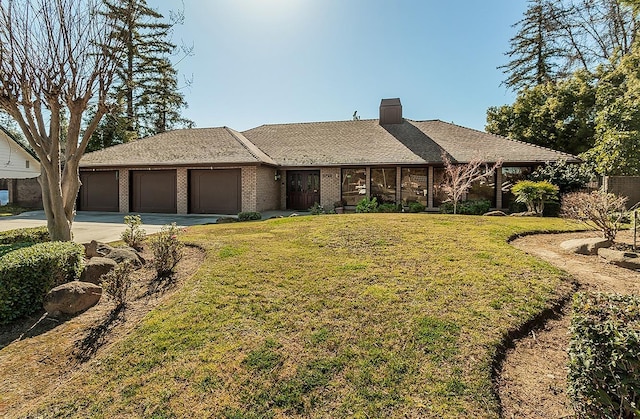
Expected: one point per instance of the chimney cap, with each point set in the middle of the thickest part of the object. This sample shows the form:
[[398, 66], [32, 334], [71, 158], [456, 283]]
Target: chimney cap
[[390, 102]]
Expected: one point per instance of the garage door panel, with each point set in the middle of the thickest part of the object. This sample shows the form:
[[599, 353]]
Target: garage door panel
[[215, 191], [99, 191], [153, 191]]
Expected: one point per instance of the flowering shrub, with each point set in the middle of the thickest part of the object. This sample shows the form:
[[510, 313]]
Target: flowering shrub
[[133, 236], [167, 250]]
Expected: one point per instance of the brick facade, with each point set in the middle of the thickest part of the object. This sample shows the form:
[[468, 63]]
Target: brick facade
[[628, 186], [123, 190], [268, 189], [25, 192], [330, 183]]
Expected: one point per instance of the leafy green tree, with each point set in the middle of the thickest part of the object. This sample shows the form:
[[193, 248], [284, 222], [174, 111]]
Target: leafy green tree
[[617, 146], [558, 115], [569, 177]]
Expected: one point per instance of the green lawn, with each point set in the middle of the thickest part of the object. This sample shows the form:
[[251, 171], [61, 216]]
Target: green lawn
[[363, 315]]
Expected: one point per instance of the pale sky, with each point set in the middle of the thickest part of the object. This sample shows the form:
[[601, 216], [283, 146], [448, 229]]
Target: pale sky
[[281, 61]]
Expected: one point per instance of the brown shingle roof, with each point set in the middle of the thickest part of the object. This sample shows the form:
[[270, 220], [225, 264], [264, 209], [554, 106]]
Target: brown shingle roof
[[181, 147], [339, 143], [367, 142]]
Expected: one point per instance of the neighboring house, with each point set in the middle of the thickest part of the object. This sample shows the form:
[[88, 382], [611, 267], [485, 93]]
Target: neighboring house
[[292, 166], [18, 169]]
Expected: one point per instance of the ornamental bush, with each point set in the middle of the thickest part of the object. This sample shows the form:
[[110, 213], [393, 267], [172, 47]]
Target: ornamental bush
[[25, 235], [604, 353], [28, 273], [167, 250], [367, 205], [534, 194], [415, 206], [600, 210], [116, 283], [133, 235]]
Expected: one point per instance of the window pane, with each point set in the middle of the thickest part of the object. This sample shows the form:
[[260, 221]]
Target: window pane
[[510, 176], [438, 193], [354, 185], [483, 189], [383, 184], [414, 185]]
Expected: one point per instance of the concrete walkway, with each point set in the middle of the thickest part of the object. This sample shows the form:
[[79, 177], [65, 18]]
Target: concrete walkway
[[108, 226]]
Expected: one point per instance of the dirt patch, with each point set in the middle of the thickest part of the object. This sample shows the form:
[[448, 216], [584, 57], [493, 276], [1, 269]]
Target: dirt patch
[[533, 379], [40, 353]]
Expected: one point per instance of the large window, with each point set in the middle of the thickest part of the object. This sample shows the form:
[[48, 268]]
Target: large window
[[439, 196], [414, 185], [510, 176], [383, 184], [354, 185], [484, 188]]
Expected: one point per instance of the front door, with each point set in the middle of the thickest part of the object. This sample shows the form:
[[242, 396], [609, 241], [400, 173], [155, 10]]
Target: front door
[[303, 189]]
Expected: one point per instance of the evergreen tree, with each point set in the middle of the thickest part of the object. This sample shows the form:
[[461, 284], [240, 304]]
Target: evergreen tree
[[147, 87], [533, 53]]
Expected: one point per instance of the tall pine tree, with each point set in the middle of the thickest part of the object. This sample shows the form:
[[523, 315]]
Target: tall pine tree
[[147, 89]]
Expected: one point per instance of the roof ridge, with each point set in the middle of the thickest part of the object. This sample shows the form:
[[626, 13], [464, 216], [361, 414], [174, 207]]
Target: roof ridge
[[253, 149], [312, 122]]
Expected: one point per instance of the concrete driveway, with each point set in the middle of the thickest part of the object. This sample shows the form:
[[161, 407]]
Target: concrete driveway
[[105, 226]]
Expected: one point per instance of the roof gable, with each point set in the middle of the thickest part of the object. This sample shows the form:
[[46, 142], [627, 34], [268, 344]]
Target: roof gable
[[16, 161]]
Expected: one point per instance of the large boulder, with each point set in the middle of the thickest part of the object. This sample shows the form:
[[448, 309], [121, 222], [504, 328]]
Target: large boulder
[[95, 268], [494, 214], [96, 249], [121, 255], [588, 246], [629, 260], [72, 297]]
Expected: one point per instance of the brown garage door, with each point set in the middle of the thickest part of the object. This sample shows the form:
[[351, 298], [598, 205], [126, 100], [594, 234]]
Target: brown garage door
[[215, 191], [99, 191], [153, 191]]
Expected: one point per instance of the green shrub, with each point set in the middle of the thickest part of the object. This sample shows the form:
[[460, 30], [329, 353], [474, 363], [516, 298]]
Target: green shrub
[[478, 207], [167, 250], [28, 273], [604, 353], [415, 206], [133, 235], [535, 194], [249, 216], [25, 235], [367, 205], [389, 207], [316, 209]]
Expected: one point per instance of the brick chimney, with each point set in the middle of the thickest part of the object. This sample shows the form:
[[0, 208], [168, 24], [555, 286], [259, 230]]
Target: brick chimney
[[390, 111]]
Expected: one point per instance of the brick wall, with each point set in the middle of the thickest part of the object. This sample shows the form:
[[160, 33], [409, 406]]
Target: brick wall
[[249, 174], [123, 190], [628, 186], [25, 192], [182, 190], [268, 196], [329, 186]]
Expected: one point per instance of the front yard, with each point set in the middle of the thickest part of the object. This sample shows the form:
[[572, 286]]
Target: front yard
[[376, 315]]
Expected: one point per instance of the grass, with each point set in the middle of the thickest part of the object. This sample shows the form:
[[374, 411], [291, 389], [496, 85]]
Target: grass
[[364, 315], [10, 209]]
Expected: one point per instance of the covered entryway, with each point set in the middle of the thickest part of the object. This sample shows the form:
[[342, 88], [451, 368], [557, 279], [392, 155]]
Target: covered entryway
[[153, 191], [215, 191], [99, 191], [303, 189]]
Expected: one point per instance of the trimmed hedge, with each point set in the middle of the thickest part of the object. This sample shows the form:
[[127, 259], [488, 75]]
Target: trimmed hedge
[[25, 235], [478, 207], [604, 368], [27, 274]]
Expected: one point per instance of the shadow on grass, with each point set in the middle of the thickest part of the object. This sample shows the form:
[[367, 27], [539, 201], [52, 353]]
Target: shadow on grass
[[97, 335]]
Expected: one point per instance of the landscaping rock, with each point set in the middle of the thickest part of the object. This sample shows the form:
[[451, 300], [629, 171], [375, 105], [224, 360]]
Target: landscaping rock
[[95, 268], [629, 260], [495, 214], [121, 254], [72, 297], [525, 214], [588, 246], [96, 249]]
